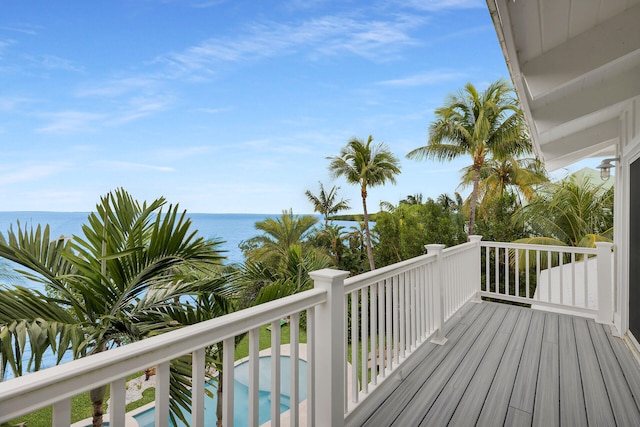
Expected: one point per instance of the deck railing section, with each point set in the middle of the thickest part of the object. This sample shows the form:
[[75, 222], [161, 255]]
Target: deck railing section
[[391, 311], [57, 385], [359, 331], [575, 280]]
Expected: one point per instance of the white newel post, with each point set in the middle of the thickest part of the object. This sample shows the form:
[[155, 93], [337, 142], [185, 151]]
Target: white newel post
[[605, 282], [477, 272], [438, 294], [329, 348]]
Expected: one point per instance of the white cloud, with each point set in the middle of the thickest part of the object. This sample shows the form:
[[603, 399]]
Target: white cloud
[[424, 79], [130, 166], [52, 62], [326, 36], [138, 108], [70, 121], [33, 172], [117, 87], [436, 5], [29, 29]]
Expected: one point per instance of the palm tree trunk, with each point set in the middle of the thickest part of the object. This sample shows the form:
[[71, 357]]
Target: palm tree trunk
[[366, 229], [474, 200], [97, 398]]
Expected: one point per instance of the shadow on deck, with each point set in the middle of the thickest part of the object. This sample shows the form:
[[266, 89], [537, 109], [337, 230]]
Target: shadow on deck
[[512, 366]]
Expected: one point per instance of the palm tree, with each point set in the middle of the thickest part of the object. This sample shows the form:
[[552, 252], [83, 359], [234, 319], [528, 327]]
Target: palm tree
[[367, 165], [279, 234], [476, 124], [327, 203], [107, 287], [497, 176], [574, 211]]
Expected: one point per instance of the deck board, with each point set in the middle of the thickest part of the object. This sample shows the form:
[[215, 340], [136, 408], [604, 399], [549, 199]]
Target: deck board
[[511, 366]]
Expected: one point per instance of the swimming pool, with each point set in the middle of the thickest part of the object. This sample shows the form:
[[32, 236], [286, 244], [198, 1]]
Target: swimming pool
[[241, 394]]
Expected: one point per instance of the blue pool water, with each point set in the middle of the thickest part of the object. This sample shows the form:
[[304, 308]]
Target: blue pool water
[[241, 394]]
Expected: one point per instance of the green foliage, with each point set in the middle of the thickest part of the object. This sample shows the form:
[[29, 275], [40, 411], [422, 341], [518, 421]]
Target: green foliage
[[495, 224], [110, 286], [403, 232], [575, 211]]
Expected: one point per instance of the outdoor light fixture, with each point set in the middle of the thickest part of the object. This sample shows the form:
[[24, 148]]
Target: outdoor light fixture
[[605, 167]]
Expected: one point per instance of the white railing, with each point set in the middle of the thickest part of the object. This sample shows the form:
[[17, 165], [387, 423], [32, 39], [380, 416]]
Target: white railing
[[392, 311], [571, 279], [361, 332], [57, 385]]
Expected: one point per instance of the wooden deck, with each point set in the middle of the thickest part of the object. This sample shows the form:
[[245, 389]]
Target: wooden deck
[[513, 366]]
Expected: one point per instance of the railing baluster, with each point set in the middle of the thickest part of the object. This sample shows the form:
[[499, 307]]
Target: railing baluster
[[527, 280], [396, 316], [517, 271], [364, 302], [506, 272], [497, 289], [228, 360], [381, 328], [388, 311], [311, 361], [197, 388], [586, 281], [294, 359], [162, 395], [354, 347], [403, 313], [117, 402], [487, 269], [275, 373], [538, 274], [61, 415], [573, 278], [374, 334], [549, 264], [254, 376], [561, 273]]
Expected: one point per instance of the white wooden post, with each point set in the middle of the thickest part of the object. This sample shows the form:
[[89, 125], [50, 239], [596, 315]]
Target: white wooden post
[[329, 348], [605, 283], [477, 272], [61, 416], [438, 294]]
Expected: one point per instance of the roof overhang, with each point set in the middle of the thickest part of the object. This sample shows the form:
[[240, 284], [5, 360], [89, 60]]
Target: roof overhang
[[575, 67]]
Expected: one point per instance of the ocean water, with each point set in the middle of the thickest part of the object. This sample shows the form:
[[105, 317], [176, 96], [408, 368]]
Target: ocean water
[[231, 228]]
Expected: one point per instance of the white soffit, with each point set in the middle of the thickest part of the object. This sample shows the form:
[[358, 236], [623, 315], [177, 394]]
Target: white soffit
[[575, 66]]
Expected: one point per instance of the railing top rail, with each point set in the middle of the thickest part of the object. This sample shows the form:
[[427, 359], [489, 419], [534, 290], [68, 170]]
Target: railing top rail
[[545, 248], [458, 248], [69, 379], [365, 279]]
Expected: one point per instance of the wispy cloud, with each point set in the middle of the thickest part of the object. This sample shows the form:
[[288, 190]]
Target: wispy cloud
[[138, 108], [117, 87], [12, 103], [326, 36], [214, 110], [181, 153], [130, 166], [29, 29], [424, 79], [70, 121], [437, 5], [52, 62], [31, 172]]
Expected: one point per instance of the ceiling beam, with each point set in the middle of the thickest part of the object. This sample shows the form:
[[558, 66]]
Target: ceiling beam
[[601, 46]]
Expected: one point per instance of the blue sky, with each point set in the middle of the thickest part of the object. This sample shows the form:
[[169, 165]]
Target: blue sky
[[226, 106]]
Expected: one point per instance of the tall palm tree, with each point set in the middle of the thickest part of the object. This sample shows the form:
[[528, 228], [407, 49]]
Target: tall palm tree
[[367, 165], [327, 203], [476, 124], [107, 286]]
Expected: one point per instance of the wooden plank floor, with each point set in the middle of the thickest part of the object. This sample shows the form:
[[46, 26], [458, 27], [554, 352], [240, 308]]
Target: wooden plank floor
[[513, 366]]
